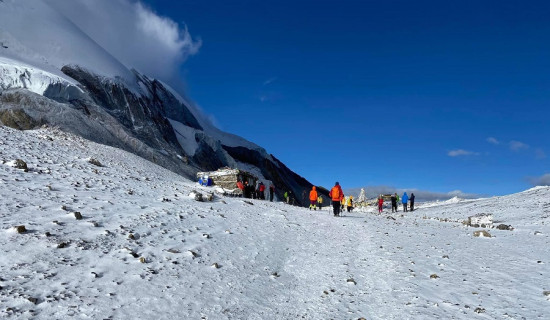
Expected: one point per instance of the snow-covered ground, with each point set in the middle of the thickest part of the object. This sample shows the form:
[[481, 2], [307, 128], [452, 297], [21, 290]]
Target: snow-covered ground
[[236, 259]]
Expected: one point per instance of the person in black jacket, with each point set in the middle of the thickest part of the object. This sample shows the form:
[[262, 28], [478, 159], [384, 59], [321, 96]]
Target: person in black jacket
[[411, 199], [394, 202], [271, 191]]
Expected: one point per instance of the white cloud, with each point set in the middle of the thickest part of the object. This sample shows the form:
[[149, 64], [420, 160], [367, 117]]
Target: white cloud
[[543, 180], [461, 152], [493, 140], [517, 146], [133, 33]]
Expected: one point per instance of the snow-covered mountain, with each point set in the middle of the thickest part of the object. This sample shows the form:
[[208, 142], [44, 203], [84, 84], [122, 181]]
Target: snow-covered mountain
[[51, 72], [145, 249]]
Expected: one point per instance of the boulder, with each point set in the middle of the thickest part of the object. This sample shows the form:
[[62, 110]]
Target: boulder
[[20, 229], [20, 164], [505, 227], [95, 162], [198, 197]]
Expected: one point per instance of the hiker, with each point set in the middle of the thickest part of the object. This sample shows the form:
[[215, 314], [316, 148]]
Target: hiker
[[313, 198], [394, 202], [256, 191], [342, 204], [336, 195], [412, 201], [289, 197], [247, 191], [271, 191], [404, 200], [350, 203], [261, 189], [320, 202], [380, 203], [240, 185]]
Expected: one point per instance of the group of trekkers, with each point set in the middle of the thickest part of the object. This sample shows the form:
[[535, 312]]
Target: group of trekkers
[[340, 202], [315, 200], [255, 192], [395, 200]]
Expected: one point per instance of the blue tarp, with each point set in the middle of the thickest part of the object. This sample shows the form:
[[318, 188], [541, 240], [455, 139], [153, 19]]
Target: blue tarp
[[205, 181]]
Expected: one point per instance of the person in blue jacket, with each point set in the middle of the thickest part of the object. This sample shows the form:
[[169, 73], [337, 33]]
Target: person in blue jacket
[[404, 200]]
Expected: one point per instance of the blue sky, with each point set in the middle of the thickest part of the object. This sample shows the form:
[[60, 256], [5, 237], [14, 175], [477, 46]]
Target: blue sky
[[433, 95]]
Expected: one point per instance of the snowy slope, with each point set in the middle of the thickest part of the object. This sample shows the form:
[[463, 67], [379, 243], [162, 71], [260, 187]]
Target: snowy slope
[[274, 261]]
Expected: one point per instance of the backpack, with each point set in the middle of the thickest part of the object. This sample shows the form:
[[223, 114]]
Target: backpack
[[335, 193]]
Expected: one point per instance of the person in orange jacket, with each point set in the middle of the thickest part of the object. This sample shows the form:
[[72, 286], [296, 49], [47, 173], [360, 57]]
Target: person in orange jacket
[[313, 198], [336, 194]]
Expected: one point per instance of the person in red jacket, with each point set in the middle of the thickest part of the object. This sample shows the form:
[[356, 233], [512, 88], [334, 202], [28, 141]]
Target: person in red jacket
[[336, 194], [262, 191], [313, 198], [380, 203]]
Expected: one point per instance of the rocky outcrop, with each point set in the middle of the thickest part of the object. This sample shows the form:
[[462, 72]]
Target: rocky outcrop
[[134, 117]]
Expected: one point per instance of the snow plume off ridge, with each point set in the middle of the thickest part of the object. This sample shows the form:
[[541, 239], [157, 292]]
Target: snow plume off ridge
[[107, 37]]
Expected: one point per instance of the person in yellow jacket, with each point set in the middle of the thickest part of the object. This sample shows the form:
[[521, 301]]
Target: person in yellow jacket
[[320, 202], [350, 203], [313, 198]]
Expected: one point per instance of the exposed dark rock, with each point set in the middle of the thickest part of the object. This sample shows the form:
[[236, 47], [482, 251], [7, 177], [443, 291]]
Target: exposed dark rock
[[504, 227], [95, 162], [78, 215], [479, 310], [20, 229], [198, 197], [20, 164], [107, 111]]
